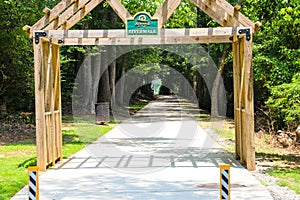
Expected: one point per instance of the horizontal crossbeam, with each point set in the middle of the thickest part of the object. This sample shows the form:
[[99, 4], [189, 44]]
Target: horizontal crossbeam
[[142, 41], [117, 33], [166, 36]]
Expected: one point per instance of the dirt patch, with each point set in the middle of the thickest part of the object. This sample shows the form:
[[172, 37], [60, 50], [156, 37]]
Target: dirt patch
[[16, 132]]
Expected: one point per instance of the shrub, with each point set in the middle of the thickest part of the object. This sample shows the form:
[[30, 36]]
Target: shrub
[[284, 105]]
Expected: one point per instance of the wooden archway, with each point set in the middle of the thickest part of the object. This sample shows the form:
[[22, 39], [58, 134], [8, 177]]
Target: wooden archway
[[52, 31]]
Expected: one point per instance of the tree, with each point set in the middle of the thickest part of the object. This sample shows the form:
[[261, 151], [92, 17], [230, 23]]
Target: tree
[[284, 105], [16, 60]]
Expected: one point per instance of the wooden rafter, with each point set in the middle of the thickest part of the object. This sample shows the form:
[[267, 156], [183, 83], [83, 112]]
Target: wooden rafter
[[68, 12], [225, 14], [44, 21], [119, 9], [64, 16], [81, 13], [211, 11], [165, 11]]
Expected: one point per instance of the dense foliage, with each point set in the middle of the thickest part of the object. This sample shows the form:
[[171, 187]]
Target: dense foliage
[[276, 53], [284, 104]]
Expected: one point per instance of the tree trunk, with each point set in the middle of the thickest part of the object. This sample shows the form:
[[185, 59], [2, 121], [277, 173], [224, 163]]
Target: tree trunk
[[87, 76], [218, 96], [121, 85], [112, 75], [96, 64], [3, 108], [203, 93], [104, 89]]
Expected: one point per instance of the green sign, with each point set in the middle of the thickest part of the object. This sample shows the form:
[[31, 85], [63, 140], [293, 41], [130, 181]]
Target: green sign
[[142, 25]]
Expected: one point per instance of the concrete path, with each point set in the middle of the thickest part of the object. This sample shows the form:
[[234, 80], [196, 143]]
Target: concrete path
[[161, 153]]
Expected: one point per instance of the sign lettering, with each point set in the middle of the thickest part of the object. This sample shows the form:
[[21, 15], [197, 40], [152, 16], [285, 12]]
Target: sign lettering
[[141, 25]]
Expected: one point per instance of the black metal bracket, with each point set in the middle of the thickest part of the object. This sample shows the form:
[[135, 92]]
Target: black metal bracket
[[60, 41], [38, 35], [246, 31]]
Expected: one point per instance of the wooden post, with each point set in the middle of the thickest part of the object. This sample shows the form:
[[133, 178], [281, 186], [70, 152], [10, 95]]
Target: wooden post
[[241, 103], [57, 101], [47, 91], [51, 90], [249, 105], [237, 81], [244, 101], [40, 107]]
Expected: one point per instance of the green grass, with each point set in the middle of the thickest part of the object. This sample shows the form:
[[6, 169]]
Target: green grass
[[138, 105], [78, 136], [13, 168], [16, 158], [284, 166], [288, 178], [228, 135], [202, 116]]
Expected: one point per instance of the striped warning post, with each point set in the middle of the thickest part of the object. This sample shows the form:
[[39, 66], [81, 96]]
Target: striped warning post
[[225, 182], [33, 183]]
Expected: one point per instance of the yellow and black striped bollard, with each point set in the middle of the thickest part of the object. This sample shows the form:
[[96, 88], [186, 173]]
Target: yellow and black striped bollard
[[225, 182], [33, 184]]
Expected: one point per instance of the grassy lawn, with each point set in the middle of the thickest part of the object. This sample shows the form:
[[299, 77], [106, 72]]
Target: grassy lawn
[[13, 168], [288, 178], [16, 158]]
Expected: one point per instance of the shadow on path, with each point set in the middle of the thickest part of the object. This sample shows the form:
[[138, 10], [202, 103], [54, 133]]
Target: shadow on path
[[161, 153]]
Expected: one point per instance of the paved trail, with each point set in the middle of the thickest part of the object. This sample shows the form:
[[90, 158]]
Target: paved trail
[[161, 153]]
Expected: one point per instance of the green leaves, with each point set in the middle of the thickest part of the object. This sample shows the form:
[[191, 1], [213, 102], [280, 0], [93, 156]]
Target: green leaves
[[135, 6], [284, 104], [185, 16]]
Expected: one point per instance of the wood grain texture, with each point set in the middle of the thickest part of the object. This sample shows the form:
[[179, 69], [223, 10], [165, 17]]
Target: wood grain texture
[[165, 11]]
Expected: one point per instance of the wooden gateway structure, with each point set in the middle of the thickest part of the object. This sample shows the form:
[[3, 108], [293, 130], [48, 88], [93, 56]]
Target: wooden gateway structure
[[52, 31]]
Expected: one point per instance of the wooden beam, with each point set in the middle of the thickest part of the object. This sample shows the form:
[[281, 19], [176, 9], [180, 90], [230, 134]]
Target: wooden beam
[[57, 85], [224, 13], [120, 10], [120, 33], [145, 40], [228, 8], [47, 98], [257, 26], [165, 11], [241, 102], [81, 13], [27, 29], [65, 15], [249, 106], [52, 105], [212, 12], [237, 7], [46, 10], [236, 88], [54, 111], [44, 21], [40, 107]]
